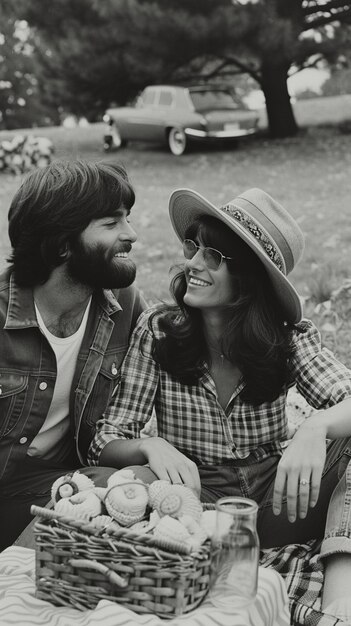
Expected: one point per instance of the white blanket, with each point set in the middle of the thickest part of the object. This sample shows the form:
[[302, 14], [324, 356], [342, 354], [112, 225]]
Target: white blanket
[[20, 607]]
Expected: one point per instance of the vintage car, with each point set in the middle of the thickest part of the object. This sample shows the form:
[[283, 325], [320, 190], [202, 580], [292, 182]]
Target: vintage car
[[178, 116]]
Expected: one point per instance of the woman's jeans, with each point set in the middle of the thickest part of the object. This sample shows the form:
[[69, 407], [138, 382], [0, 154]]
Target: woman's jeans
[[330, 518], [31, 484]]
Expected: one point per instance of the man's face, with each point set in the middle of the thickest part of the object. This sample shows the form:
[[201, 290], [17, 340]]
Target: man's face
[[99, 257]]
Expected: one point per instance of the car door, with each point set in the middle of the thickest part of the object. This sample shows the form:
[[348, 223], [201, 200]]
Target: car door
[[152, 119], [142, 121], [137, 119]]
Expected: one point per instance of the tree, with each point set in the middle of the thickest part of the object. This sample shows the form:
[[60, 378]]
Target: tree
[[98, 52], [20, 104]]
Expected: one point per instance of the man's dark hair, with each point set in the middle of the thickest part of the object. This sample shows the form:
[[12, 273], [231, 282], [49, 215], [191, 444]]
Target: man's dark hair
[[54, 205]]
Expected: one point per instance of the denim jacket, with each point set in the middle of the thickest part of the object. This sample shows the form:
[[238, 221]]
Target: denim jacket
[[28, 367]]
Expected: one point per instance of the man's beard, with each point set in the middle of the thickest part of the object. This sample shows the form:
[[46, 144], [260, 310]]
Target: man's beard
[[99, 269]]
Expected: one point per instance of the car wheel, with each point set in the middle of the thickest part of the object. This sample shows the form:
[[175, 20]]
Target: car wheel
[[114, 139], [177, 141]]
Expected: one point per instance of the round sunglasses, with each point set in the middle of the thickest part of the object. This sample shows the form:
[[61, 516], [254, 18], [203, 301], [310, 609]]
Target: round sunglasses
[[213, 258]]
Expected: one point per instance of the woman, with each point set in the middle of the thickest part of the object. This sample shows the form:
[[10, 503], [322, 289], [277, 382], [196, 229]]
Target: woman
[[216, 366]]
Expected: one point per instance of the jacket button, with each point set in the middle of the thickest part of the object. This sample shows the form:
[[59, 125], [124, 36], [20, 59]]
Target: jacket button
[[114, 369], [23, 440], [43, 386]]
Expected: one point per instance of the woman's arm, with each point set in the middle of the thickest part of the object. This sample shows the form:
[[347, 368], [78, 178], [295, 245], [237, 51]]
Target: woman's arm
[[163, 459], [304, 459], [117, 442], [326, 384]]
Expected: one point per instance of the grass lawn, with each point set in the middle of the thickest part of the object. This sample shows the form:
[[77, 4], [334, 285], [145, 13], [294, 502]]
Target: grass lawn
[[310, 175]]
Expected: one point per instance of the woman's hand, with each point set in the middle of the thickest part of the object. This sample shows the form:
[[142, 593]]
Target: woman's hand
[[300, 469], [170, 464]]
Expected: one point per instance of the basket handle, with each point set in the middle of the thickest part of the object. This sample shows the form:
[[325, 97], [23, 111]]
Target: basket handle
[[112, 576]]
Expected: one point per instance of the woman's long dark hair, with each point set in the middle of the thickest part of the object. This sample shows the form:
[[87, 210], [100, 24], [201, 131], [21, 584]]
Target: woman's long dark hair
[[257, 338]]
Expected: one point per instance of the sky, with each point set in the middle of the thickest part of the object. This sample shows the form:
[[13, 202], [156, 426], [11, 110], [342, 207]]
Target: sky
[[312, 79]]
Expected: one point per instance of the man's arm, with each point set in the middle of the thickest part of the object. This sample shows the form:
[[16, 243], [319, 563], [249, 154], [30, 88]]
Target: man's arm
[[117, 441], [132, 402]]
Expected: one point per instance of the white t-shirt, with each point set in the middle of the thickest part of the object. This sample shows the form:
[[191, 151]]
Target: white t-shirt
[[56, 426]]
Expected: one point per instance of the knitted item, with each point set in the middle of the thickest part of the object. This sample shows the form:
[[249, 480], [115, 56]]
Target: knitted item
[[82, 505], [126, 498], [208, 522], [120, 477], [70, 484], [102, 522], [100, 492], [176, 501], [194, 528], [171, 529], [155, 489], [147, 526]]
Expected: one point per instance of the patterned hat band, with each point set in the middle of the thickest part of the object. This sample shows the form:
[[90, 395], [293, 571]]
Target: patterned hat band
[[260, 236]]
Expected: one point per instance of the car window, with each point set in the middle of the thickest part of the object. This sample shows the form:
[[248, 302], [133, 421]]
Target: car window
[[166, 98], [215, 99], [148, 97]]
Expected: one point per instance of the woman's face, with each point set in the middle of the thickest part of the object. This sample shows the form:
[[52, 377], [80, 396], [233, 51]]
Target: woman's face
[[207, 288]]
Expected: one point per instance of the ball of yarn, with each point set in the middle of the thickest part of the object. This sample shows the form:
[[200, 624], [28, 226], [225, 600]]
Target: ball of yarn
[[176, 501], [155, 488], [147, 526], [83, 505], [171, 529], [102, 522], [208, 522], [70, 484], [126, 498]]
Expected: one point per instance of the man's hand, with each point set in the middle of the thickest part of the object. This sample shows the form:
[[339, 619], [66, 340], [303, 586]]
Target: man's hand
[[300, 470], [170, 464]]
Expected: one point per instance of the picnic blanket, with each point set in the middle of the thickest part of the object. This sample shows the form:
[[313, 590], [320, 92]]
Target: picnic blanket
[[18, 605], [297, 565], [303, 575]]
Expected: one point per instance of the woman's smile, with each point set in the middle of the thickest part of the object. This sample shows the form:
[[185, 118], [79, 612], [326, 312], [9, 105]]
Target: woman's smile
[[194, 281]]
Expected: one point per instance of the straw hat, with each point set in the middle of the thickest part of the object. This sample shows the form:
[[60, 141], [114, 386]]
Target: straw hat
[[260, 221]]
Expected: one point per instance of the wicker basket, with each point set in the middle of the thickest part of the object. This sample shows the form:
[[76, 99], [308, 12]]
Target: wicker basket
[[79, 566]]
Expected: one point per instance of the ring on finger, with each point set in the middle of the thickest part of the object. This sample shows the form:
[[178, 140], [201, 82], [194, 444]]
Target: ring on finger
[[304, 482]]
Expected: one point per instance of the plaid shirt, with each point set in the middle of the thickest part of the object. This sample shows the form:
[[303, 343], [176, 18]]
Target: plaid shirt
[[191, 418]]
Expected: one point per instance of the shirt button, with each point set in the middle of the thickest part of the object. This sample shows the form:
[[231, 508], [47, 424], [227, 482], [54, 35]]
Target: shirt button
[[23, 440], [43, 386]]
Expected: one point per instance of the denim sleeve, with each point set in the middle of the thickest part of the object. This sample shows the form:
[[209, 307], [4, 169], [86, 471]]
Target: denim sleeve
[[133, 399], [319, 376]]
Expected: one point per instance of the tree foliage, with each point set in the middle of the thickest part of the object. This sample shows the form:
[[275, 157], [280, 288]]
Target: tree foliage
[[96, 53], [20, 100]]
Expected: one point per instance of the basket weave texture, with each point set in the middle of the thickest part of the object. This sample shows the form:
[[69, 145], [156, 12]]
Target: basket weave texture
[[79, 566]]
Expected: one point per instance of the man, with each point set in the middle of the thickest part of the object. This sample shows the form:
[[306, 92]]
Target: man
[[67, 309]]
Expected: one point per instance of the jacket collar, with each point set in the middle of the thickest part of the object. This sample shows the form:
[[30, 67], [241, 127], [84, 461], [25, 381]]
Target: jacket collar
[[108, 300], [21, 311]]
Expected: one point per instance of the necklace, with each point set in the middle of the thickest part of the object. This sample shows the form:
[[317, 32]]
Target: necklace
[[221, 355]]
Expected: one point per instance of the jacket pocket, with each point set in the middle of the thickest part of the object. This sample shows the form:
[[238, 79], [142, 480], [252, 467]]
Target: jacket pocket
[[13, 390], [104, 388]]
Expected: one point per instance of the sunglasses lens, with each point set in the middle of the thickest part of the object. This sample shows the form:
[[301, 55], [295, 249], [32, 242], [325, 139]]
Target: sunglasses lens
[[189, 248], [212, 258]]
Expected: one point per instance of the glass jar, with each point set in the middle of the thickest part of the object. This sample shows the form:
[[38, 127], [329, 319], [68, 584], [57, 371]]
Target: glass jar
[[235, 546]]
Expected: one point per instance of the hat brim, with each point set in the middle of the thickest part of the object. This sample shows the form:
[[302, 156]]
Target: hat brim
[[186, 205]]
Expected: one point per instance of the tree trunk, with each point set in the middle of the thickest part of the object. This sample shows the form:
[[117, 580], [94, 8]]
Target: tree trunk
[[281, 119]]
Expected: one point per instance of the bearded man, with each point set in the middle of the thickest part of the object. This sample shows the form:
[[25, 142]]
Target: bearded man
[[67, 309]]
